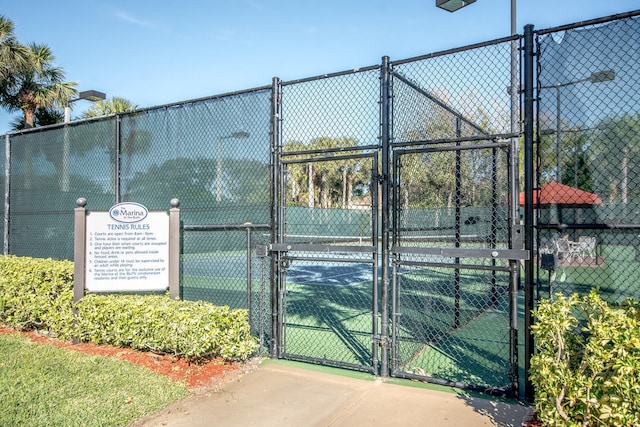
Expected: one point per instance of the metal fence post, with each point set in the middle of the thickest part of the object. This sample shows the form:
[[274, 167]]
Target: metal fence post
[[385, 76], [528, 204], [79, 241], [116, 183], [7, 183], [248, 261], [275, 237], [174, 249]]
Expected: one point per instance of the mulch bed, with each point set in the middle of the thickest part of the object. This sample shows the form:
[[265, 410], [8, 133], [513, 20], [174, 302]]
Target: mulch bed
[[194, 375]]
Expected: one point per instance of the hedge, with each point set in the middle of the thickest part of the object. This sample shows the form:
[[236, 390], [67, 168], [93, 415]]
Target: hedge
[[38, 294], [586, 371]]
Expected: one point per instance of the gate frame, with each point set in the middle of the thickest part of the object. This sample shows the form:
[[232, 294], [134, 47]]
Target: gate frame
[[281, 248], [513, 253], [516, 252]]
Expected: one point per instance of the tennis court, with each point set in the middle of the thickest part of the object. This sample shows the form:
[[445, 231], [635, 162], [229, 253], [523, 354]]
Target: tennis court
[[438, 332], [454, 331]]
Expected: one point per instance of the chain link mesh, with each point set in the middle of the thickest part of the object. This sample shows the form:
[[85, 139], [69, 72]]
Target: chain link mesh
[[49, 171], [213, 155], [451, 117], [329, 126], [588, 159], [452, 312]]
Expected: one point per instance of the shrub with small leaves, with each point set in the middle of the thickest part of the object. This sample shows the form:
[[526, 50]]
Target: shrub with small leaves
[[38, 294], [586, 371], [191, 329]]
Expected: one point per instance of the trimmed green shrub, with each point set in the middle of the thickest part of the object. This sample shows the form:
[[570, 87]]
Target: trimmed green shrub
[[587, 368], [38, 294], [190, 329]]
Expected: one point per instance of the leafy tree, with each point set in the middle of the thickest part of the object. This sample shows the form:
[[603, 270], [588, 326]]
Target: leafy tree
[[193, 181], [616, 149], [327, 183], [42, 117], [577, 169], [296, 174], [111, 106], [36, 83]]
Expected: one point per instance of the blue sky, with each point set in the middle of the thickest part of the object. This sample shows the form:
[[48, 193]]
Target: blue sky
[[159, 52]]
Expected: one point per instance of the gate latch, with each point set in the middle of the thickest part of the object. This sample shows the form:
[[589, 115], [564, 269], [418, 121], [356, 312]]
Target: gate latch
[[262, 251]]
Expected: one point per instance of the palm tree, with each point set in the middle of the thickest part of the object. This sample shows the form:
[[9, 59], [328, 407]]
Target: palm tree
[[108, 107], [42, 117], [12, 54], [38, 83]]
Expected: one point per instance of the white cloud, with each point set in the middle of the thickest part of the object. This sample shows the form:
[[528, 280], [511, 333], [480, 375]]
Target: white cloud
[[120, 14]]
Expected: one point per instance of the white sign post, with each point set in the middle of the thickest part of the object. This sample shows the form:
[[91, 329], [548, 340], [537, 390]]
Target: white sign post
[[127, 249]]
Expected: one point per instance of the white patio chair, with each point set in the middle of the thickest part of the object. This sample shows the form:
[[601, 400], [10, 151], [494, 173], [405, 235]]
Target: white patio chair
[[586, 247], [567, 249]]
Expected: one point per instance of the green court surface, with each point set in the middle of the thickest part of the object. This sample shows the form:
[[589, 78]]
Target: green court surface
[[614, 283], [457, 333], [469, 344]]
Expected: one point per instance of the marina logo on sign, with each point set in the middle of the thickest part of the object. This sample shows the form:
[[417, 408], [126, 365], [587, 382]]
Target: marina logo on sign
[[128, 212]]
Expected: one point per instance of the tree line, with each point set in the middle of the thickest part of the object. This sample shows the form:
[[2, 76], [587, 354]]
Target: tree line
[[33, 84]]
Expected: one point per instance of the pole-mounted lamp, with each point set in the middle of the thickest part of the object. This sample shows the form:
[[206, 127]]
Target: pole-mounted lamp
[[453, 5], [89, 95]]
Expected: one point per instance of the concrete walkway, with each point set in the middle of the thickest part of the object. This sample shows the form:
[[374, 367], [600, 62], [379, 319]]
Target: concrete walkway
[[282, 394]]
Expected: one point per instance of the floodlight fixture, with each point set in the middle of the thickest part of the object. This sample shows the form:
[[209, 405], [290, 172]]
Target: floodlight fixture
[[453, 5], [89, 95], [239, 135], [602, 76]]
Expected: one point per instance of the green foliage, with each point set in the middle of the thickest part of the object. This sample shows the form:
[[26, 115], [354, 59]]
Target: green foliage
[[107, 107], [190, 329], [587, 368], [330, 183], [38, 294]]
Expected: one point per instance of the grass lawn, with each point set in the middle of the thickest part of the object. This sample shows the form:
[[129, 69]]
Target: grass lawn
[[42, 385]]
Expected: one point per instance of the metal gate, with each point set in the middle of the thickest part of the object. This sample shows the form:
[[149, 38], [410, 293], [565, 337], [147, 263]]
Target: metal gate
[[440, 229], [328, 266], [456, 240], [454, 272]]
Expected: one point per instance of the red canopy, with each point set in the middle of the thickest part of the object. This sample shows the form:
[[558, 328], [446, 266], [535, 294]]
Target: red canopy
[[555, 193]]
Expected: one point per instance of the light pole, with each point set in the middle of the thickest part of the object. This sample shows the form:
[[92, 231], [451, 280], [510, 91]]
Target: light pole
[[595, 77], [234, 135], [89, 95]]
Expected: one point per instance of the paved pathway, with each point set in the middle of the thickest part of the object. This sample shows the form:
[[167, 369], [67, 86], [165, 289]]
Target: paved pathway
[[282, 394]]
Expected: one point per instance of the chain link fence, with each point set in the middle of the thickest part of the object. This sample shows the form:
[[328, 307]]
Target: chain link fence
[[328, 222], [451, 299], [588, 159], [211, 154], [377, 216]]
